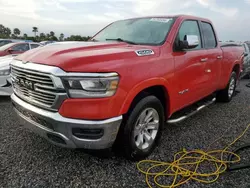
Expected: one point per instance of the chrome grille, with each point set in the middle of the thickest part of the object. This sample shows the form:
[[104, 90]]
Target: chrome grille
[[34, 87]]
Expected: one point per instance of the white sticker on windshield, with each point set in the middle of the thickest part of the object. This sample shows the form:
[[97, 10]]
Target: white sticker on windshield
[[164, 20]]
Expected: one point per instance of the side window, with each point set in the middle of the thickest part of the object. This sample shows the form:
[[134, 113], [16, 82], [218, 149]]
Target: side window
[[189, 27], [3, 42], [209, 36], [248, 45], [245, 47], [21, 47], [34, 46]]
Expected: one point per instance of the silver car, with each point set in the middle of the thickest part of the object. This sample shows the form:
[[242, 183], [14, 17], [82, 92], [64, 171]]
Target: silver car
[[5, 80]]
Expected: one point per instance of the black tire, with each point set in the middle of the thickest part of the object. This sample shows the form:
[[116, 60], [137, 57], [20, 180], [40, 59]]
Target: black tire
[[223, 95], [247, 76], [131, 151]]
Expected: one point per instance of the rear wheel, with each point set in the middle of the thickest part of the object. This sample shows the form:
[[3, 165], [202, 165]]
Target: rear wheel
[[143, 127], [226, 94]]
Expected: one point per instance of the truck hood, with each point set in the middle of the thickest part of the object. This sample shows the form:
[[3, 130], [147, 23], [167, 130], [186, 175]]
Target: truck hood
[[73, 56]]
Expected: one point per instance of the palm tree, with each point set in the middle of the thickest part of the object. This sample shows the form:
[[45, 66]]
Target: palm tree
[[25, 36], [35, 30], [16, 32], [61, 37], [52, 33], [42, 35]]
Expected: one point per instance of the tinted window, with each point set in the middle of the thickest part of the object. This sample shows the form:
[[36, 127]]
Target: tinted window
[[34, 46], [209, 36], [6, 46], [21, 47], [140, 31], [248, 44], [3, 42], [245, 48], [189, 28]]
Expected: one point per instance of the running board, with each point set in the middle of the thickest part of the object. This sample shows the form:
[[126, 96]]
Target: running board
[[187, 115]]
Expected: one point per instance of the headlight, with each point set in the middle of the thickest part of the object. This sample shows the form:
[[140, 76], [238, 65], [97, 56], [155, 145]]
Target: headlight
[[91, 87], [5, 72]]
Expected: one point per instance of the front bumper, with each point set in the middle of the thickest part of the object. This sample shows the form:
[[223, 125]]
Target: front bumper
[[58, 129], [5, 86]]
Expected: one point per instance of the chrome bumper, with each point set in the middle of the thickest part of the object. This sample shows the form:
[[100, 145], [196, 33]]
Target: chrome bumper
[[52, 125]]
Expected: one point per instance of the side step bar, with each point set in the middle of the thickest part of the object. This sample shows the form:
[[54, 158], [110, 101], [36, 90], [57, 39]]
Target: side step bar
[[180, 119]]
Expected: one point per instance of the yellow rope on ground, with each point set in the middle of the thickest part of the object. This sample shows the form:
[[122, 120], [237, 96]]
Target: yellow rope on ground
[[186, 166]]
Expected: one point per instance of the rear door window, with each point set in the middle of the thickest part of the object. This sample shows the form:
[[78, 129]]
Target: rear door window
[[21, 47], [34, 46], [209, 35], [3, 42]]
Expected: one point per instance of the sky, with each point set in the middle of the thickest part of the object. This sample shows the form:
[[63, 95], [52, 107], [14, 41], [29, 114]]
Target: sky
[[86, 17]]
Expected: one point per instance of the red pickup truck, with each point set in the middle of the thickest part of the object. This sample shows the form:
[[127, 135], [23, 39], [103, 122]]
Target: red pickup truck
[[125, 84]]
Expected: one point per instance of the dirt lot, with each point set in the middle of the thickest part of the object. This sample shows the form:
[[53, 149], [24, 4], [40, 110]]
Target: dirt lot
[[30, 161]]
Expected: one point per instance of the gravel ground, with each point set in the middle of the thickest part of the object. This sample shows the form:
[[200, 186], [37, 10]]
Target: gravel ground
[[30, 161]]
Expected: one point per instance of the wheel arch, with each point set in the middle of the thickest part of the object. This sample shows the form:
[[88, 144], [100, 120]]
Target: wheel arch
[[236, 68], [157, 87]]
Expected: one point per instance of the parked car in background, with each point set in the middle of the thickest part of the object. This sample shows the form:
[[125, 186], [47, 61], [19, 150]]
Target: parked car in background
[[246, 55], [47, 42], [5, 80], [17, 48], [246, 63], [7, 41], [4, 42]]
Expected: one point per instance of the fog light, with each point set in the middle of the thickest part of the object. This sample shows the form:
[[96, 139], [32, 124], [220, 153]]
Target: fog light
[[87, 133]]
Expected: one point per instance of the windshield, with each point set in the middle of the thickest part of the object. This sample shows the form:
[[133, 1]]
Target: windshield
[[150, 31], [5, 47]]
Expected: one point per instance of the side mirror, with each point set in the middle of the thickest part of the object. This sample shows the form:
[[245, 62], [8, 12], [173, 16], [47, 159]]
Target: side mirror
[[189, 42], [192, 40], [245, 54]]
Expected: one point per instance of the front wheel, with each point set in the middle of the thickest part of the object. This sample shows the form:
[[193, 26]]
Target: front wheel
[[226, 94], [143, 127]]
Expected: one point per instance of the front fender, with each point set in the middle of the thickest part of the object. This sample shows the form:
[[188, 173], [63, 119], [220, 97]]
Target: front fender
[[142, 86]]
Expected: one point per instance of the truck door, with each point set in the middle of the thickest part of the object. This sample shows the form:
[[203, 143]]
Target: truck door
[[189, 66], [214, 57]]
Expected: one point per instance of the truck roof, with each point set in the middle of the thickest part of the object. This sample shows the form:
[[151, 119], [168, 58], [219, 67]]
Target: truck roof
[[181, 16]]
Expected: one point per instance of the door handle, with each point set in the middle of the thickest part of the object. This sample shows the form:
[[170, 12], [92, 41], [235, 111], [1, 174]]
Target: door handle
[[204, 59], [219, 57]]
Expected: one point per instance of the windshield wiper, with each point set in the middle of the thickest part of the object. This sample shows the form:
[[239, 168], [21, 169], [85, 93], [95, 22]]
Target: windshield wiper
[[122, 40]]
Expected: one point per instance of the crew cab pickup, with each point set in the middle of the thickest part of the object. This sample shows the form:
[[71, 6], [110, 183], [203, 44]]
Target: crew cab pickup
[[122, 86]]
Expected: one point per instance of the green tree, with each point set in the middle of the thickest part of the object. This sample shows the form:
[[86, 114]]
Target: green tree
[[16, 32], [7, 32], [25, 36], [52, 34], [42, 36], [47, 36], [61, 37], [54, 38], [77, 38], [2, 29], [13, 36], [34, 30]]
